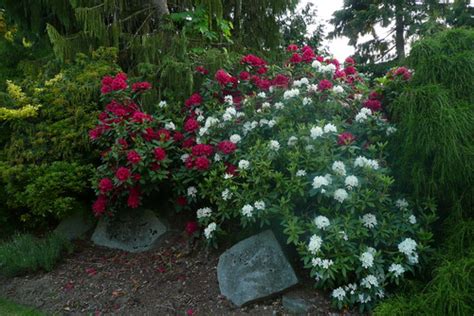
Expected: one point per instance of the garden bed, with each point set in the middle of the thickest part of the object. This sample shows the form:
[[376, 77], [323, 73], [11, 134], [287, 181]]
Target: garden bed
[[177, 278]]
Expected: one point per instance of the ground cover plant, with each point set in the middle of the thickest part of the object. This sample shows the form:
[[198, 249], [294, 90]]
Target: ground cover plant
[[12, 309], [26, 253], [303, 144]]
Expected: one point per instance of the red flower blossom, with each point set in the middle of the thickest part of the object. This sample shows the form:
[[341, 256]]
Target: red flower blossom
[[350, 61], [191, 125], [155, 166], [95, 132], [189, 163], [339, 74], [133, 157], [123, 143], [195, 99], [374, 105], [160, 153], [253, 60], [292, 48], [404, 72], [177, 136], [227, 147], [122, 174], [191, 227], [202, 163], [223, 77], [189, 142], [374, 95], [105, 185], [263, 84], [350, 70], [296, 58], [133, 200], [324, 85], [99, 205], [202, 150], [231, 169], [149, 134], [141, 86], [280, 81], [308, 54], [244, 75], [345, 139], [163, 135], [202, 70], [140, 117], [181, 201], [119, 83], [262, 70], [136, 177]]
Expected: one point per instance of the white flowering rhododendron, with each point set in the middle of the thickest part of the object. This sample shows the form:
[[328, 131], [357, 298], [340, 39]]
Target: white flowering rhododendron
[[302, 145]]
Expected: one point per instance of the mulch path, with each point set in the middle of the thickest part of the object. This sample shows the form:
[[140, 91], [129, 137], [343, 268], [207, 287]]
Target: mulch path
[[177, 278]]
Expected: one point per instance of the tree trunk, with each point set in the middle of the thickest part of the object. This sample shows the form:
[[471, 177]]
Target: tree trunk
[[161, 7], [237, 17], [399, 31]]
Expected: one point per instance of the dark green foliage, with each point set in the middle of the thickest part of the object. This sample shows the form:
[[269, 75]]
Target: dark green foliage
[[25, 253], [435, 118]]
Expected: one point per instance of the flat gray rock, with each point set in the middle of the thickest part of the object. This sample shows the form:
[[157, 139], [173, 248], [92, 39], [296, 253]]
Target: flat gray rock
[[75, 226], [253, 269], [135, 231]]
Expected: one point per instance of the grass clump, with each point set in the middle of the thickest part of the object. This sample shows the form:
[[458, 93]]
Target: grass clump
[[26, 253], [12, 309]]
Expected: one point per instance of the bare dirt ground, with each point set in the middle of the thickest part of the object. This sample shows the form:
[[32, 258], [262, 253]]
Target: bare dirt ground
[[174, 279]]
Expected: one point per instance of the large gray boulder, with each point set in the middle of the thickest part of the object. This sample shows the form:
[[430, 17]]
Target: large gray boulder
[[75, 226], [135, 231], [253, 269]]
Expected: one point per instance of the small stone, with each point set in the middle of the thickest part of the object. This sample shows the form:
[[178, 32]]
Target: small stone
[[295, 305], [136, 231], [253, 269], [75, 226]]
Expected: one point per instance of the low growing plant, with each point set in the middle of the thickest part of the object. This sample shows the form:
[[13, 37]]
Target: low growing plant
[[26, 253]]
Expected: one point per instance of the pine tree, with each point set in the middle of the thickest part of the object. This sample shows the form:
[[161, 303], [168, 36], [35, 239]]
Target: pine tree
[[405, 20]]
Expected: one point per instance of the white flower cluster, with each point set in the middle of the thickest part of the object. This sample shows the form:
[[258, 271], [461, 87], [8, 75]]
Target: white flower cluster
[[192, 191], [288, 94], [338, 89], [351, 182], [279, 105], [322, 263], [203, 212], [226, 195], [292, 141], [262, 95], [209, 230], [230, 113], [317, 131], [339, 168], [306, 101], [367, 259], [244, 164], [301, 173], [301, 82], [171, 126], [321, 222], [315, 243], [320, 181], [396, 269], [369, 220], [408, 248], [229, 99], [249, 126], [339, 294], [364, 162], [369, 281], [363, 115], [235, 138], [402, 204], [340, 195], [247, 210], [330, 68], [274, 145]]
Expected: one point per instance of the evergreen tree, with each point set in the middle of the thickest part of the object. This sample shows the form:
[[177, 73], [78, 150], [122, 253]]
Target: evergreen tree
[[404, 19]]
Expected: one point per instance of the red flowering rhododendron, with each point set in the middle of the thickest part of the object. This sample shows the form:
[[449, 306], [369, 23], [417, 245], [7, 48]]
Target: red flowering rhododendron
[[181, 201], [202, 163], [226, 147], [160, 153], [191, 227], [135, 145], [193, 100], [244, 75], [296, 58], [202, 150], [133, 157], [223, 78], [123, 174], [105, 185], [141, 86], [324, 85], [202, 70], [345, 139], [253, 60], [373, 104], [292, 48]]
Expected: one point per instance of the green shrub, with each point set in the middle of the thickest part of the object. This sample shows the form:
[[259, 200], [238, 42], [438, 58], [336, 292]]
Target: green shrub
[[25, 253], [435, 120], [12, 309], [47, 160]]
